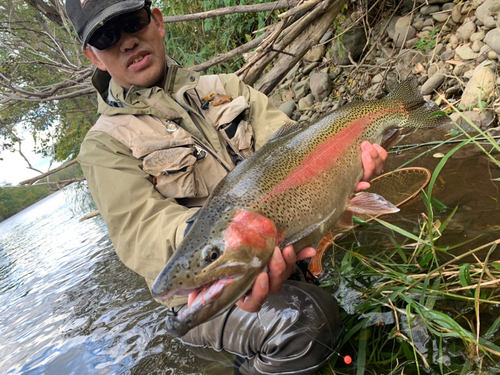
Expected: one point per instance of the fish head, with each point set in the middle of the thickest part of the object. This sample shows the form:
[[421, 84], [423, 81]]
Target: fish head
[[220, 266]]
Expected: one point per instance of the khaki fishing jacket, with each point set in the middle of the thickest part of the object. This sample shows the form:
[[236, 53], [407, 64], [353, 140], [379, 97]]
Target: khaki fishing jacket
[[156, 154]]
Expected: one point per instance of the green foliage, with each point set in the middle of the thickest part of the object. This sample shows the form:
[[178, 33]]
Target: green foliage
[[37, 54], [15, 199], [195, 42], [427, 42]]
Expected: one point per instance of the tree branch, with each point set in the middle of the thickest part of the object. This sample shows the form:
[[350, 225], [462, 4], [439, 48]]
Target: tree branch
[[31, 181], [277, 5]]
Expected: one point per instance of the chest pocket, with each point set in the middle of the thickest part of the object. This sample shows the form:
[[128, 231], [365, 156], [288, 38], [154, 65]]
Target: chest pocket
[[174, 162], [235, 130]]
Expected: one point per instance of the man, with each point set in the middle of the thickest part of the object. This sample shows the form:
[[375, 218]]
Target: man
[[165, 138]]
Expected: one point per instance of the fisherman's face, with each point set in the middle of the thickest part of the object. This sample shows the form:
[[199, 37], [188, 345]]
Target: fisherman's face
[[136, 58]]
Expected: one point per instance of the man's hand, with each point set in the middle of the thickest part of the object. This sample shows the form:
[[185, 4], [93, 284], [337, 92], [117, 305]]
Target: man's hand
[[280, 268], [373, 157]]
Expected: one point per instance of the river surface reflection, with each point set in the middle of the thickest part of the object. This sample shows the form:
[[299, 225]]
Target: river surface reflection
[[69, 306]]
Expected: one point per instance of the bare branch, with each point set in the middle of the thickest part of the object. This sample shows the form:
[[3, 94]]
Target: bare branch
[[31, 181], [277, 5]]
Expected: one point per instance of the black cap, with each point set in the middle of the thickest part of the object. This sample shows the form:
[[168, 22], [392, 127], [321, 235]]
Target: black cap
[[88, 15]]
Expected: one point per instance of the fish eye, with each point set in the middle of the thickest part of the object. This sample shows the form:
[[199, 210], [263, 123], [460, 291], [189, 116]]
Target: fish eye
[[210, 253]]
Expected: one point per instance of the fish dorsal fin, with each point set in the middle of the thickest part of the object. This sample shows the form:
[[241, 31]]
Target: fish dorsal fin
[[408, 94], [356, 99], [371, 204], [307, 231], [288, 128]]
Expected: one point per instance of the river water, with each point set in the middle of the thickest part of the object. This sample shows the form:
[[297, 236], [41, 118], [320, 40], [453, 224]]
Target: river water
[[69, 306]]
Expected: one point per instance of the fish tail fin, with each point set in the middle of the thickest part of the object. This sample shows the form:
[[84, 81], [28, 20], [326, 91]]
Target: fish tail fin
[[421, 114]]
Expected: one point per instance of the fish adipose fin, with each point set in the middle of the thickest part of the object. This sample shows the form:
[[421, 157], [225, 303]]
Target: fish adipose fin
[[371, 204], [307, 231]]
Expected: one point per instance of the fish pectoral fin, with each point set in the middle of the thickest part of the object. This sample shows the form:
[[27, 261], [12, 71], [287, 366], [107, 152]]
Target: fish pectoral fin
[[307, 231], [371, 204]]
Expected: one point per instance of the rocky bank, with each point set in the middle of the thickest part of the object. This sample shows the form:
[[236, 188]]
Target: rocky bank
[[452, 48]]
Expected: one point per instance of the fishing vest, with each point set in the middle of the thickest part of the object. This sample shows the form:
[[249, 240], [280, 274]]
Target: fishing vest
[[182, 166]]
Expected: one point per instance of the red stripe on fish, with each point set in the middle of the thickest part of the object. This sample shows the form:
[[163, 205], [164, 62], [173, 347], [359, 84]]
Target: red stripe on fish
[[325, 156]]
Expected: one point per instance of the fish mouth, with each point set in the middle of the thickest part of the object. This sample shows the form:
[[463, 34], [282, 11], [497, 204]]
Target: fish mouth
[[189, 316]]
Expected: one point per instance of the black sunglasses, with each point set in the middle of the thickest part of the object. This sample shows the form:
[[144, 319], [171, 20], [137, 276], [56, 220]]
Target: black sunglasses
[[107, 35]]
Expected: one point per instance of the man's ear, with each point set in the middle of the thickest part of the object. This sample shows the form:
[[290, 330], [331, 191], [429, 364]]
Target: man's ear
[[93, 58], [158, 18]]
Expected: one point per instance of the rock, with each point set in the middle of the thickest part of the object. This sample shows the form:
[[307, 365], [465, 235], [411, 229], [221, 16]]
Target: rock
[[492, 39], [326, 37], [321, 85], [448, 6], [371, 91], [482, 119], [481, 85], [428, 9], [456, 14], [454, 41], [300, 89], [352, 43], [418, 24], [488, 12], [402, 22], [492, 55], [402, 34], [440, 16], [465, 31], [476, 46], [432, 83], [306, 102], [429, 22], [391, 27], [447, 55], [377, 78], [309, 68], [335, 73], [465, 53], [460, 70], [288, 107], [286, 95], [316, 53], [477, 36]]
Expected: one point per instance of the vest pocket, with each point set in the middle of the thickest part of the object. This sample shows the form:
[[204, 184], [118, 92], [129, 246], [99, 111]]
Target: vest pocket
[[236, 131], [176, 173]]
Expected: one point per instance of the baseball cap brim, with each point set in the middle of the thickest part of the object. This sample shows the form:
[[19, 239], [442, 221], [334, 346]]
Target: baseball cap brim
[[108, 13]]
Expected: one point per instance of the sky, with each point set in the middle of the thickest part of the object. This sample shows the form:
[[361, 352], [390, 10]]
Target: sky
[[14, 169]]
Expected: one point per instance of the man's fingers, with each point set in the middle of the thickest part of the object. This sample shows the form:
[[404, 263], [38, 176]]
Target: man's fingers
[[279, 268], [380, 159], [306, 252], [253, 301]]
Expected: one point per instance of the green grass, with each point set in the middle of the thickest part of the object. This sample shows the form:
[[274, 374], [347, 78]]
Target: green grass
[[415, 306]]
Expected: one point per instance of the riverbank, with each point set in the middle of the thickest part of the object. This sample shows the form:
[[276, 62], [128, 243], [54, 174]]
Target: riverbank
[[451, 48]]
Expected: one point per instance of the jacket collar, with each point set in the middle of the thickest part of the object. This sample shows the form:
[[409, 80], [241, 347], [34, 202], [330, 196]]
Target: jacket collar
[[114, 99]]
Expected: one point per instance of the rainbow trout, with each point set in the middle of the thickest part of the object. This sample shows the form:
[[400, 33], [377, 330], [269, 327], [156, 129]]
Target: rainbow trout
[[291, 191]]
